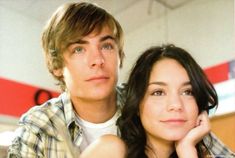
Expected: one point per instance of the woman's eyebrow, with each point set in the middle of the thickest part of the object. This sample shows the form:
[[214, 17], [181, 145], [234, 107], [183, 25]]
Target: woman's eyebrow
[[164, 84], [158, 83]]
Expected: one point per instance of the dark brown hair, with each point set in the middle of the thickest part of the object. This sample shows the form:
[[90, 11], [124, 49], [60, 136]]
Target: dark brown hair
[[129, 122]]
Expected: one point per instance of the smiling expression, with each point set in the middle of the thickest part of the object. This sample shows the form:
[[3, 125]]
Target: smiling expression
[[168, 110]]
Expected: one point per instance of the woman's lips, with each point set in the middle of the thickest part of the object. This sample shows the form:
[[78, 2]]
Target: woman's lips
[[174, 121]]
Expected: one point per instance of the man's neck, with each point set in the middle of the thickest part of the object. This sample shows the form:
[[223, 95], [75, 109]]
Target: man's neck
[[96, 111]]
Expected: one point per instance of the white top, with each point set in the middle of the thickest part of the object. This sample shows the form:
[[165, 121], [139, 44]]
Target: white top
[[92, 131]]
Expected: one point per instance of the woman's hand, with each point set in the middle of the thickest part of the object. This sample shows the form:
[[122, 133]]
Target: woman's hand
[[186, 146]]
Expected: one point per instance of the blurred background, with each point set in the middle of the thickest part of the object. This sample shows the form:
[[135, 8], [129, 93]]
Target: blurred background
[[203, 27]]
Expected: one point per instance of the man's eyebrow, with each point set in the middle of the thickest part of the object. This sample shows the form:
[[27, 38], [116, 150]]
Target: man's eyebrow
[[107, 37], [82, 41]]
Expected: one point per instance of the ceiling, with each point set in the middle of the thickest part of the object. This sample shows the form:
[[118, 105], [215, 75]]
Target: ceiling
[[42, 9]]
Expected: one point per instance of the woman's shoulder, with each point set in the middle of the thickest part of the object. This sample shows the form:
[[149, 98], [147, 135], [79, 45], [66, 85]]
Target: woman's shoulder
[[106, 146]]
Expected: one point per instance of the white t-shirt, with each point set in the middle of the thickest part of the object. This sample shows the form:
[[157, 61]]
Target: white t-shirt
[[92, 131]]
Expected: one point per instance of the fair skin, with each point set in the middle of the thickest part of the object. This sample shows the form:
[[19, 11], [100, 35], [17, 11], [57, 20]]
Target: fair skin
[[109, 146], [169, 112], [90, 71]]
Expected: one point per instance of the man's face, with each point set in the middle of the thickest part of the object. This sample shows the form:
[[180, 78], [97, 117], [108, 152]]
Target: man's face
[[91, 66]]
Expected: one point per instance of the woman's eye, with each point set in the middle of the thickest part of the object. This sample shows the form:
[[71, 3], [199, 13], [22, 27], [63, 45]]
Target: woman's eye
[[158, 93], [78, 50], [188, 92]]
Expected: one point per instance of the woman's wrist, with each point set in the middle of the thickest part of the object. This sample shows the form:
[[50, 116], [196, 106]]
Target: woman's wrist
[[186, 151]]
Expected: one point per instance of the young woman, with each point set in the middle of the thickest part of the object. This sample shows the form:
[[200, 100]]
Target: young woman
[[165, 114], [168, 98]]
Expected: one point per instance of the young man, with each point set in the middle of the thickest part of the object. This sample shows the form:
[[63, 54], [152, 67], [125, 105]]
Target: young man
[[83, 46]]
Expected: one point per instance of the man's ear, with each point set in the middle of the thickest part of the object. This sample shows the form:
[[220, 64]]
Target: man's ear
[[58, 72]]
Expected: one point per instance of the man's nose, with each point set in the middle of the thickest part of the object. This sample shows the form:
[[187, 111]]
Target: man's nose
[[96, 58]]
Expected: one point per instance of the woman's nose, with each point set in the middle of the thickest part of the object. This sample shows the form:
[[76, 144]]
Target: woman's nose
[[174, 103]]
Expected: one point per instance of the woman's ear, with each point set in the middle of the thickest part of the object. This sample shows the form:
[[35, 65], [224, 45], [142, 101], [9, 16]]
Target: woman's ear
[[58, 72]]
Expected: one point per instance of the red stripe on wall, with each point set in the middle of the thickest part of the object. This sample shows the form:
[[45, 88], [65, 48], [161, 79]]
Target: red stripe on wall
[[218, 73], [16, 98]]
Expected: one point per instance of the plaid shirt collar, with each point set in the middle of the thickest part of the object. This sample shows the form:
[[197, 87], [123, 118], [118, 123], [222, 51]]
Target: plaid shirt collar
[[69, 114]]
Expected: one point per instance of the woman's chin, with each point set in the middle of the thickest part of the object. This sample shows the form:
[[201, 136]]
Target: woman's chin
[[174, 136]]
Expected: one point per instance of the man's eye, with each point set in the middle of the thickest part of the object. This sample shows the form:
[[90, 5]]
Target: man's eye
[[107, 46], [78, 50]]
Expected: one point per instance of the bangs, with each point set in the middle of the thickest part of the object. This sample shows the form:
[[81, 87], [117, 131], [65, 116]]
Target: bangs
[[74, 32]]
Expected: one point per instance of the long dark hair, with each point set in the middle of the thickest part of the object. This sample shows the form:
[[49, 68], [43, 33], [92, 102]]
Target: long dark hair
[[129, 123]]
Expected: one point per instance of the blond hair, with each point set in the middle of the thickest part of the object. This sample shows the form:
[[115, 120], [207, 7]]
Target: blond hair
[[70, 22]]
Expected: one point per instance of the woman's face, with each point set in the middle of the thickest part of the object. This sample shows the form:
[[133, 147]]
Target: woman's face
[[168, 110]]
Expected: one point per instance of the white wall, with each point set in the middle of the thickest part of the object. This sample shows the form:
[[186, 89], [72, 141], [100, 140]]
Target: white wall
[[21, 57], [203, 27]]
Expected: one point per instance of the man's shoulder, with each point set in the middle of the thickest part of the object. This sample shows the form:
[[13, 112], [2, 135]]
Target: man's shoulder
[[40, 117], [42, 130], [122, 87], [217, 147]]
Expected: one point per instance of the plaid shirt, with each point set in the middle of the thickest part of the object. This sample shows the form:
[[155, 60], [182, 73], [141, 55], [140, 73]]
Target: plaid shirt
[[51, 131]]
